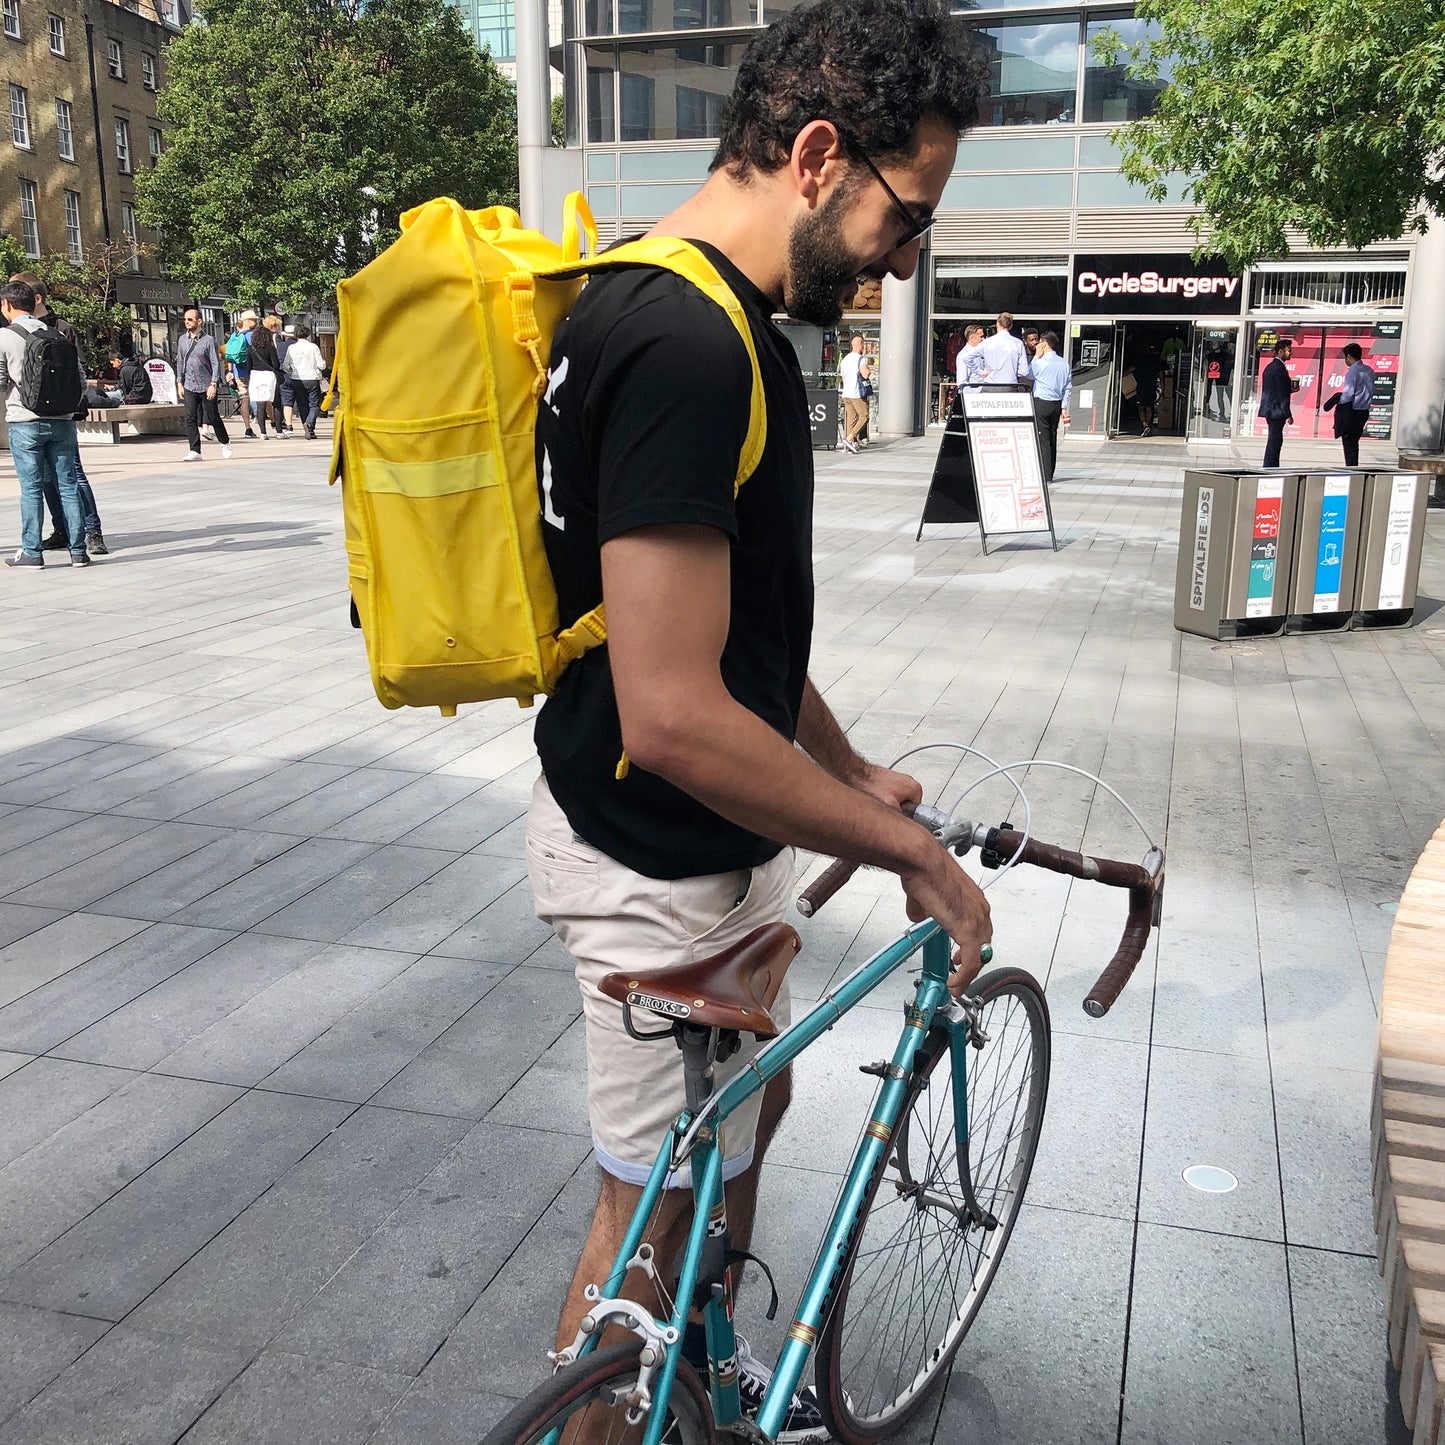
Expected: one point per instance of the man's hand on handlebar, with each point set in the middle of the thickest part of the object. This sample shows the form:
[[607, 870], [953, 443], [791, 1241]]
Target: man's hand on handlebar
[[892, 789], [941, 890]]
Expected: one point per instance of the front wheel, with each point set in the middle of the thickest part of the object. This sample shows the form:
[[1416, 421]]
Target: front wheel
[[920, 1265], [586, 1403]]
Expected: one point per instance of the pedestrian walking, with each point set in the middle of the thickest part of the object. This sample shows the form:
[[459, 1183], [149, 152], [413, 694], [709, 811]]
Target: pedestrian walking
[[265, 376], [1147, 367], [854, 374], [43, 382], [287, 398], [731, 756], [1351, 403], [59, 538], [1276, 388], [307, 368], [198, 374], [1004, 356], [237, 354], [1053, 380]]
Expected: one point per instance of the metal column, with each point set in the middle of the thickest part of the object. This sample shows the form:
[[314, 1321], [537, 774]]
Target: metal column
[[898, 353], [1420, 407], [534, 108]]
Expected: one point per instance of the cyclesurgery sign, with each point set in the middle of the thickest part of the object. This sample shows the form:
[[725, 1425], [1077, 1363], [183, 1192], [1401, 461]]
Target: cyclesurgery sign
[[1149, 285]]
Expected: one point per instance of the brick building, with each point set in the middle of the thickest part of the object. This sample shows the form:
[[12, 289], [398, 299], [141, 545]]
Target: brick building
[[82, 77]]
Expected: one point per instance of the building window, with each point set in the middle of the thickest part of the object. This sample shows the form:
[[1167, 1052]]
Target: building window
[[1110, 93], [115, 60], [122, 145], [19, 117], [74, 245], [29, 224], [171, 12], [153, 139], [601, 102], [978, 288], [662, 93], [12, 19], [1033, 71], [127, 224], [64, 131], [1327, 288], [496, 28], [148, 70], [57, 35]]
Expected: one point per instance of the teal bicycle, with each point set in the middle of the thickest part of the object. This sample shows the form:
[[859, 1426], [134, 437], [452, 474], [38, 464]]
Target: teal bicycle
[[925, 1210]]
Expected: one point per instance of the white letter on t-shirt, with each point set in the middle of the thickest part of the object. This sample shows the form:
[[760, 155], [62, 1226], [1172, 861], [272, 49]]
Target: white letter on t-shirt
[[548, 512], [555, 377]]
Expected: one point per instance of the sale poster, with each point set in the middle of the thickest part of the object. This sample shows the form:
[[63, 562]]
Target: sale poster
[[1303, 366]]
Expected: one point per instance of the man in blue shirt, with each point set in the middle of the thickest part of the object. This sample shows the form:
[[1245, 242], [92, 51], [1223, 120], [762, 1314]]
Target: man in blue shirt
[[1003, 353], [1353, 407], [1053, 380]]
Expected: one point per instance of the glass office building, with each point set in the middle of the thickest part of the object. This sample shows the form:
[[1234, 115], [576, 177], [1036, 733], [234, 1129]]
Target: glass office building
[[1037, 218]]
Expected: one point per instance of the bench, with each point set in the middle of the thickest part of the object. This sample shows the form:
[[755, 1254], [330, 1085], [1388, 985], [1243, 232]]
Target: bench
[[102, 424], [1407, 1132], [1433, 462]]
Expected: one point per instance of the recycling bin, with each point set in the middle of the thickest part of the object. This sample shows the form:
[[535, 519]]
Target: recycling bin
[[1392, 535], [1236, 547], [1326, 551]]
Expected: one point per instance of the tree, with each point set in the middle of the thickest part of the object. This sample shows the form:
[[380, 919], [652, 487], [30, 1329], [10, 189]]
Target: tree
[[84, 295], [299, 131], [559, 121], [1323, 115]]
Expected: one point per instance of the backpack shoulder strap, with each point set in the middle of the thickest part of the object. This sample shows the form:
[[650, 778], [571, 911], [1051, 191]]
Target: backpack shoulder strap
[[669, 253]]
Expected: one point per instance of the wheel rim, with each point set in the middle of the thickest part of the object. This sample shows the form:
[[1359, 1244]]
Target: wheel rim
[[918, 1278]]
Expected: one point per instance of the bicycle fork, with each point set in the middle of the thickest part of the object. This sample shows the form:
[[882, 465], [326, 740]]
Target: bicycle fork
[[872, 1154]]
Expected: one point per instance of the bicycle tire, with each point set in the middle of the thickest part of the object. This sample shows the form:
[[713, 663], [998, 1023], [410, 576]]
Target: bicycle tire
[[872, 1379], [561, 1402]]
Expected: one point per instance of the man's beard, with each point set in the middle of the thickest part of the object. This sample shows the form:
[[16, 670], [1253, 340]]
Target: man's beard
[[820, 265]]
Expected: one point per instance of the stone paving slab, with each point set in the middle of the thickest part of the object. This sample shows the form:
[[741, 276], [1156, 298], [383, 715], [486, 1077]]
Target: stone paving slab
[[293, 1142]]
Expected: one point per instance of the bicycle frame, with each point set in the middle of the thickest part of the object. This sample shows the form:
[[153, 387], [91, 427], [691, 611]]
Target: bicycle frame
[[931, 999]]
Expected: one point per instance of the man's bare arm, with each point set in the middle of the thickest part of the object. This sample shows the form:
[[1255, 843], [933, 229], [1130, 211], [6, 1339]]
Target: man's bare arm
[[667, 591]]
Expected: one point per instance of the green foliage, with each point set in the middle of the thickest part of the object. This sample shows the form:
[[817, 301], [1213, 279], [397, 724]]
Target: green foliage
[[1323, 115], [559, 121], [300, 130], [83, 295]]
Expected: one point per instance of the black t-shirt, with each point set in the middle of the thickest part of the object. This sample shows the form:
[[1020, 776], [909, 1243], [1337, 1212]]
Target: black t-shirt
[[643, 423]]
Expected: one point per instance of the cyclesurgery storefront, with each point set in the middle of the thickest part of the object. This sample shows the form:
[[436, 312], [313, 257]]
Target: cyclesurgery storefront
[[1155, 343]]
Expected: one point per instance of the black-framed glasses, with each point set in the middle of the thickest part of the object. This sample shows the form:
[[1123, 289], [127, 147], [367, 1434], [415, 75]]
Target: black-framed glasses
[[913, 227]]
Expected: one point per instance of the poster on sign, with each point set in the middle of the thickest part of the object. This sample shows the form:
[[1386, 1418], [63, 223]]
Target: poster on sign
[[163, 381], [1003, 441]]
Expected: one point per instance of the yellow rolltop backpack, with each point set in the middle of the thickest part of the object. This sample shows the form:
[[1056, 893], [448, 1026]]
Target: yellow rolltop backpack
[[441, 361]]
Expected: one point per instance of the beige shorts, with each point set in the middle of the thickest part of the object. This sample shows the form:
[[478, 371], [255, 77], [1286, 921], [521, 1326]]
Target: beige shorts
[[612, 919], [243, 385]]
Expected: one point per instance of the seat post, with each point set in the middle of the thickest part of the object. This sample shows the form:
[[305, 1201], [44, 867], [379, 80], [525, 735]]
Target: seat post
[[699, 1052]]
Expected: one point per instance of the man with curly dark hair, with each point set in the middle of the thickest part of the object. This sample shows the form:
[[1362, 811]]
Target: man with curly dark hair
[[835, 149]]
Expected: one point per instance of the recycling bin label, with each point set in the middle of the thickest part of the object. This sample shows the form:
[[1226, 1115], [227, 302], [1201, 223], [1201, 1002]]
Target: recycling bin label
[[1398, 526], [1264, 547], [1329, 560]]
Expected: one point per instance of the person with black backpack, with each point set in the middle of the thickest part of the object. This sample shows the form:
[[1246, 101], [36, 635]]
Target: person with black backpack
[[59, 538], [44, 388]]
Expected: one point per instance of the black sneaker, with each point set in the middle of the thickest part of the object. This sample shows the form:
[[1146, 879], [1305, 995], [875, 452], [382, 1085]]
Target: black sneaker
[[56, 542], [250, 434], [80, 559], [802, 1425], [95, 545], [25, 559]]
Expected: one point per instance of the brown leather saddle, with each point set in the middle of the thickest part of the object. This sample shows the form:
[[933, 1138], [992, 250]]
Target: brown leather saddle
[[734, 989]]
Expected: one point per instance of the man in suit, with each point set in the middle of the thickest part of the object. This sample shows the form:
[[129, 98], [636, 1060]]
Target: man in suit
[[1275, 390]]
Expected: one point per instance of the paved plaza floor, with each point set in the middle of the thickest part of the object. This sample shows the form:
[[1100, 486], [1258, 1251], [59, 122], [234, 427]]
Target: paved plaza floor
[[292, 1137]]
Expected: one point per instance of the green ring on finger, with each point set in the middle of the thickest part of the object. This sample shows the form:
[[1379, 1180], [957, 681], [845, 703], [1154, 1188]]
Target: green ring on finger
[[985, 954]]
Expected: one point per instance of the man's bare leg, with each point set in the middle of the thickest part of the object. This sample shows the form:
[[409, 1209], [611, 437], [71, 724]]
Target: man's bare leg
[[616, 1203]]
